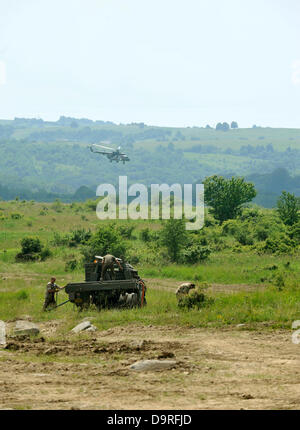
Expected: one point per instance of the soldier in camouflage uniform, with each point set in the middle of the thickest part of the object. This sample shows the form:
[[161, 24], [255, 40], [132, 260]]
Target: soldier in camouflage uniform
[[51, 289]]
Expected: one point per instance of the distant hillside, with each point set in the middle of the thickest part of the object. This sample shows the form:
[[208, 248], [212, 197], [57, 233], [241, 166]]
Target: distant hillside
[[55, 156]]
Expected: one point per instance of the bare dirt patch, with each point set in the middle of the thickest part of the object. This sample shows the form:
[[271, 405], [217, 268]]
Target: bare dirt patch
[[216, 369]]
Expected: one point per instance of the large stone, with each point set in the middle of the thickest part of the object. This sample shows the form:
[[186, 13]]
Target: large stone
[[26, 327], [148, 365], [91, 328], [82, 326], [2, 334]]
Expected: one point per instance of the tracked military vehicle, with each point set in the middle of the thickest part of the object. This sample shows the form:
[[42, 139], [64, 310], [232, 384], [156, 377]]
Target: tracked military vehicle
[[126, 290]]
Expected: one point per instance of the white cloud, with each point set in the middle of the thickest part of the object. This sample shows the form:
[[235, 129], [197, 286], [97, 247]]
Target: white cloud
[[2, 73], [296, 72]]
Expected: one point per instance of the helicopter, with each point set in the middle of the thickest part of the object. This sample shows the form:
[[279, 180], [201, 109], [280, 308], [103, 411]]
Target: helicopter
[[111, 153]]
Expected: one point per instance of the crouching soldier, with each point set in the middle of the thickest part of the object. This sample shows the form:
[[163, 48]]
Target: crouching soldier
[[51, 289]]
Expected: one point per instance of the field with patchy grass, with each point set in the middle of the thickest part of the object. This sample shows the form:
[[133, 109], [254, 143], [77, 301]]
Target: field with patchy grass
[[235, 353]]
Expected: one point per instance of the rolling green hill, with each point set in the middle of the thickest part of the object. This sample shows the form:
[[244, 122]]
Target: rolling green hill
[[37, 155]]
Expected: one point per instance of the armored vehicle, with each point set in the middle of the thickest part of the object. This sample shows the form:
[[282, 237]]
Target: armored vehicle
[[125, 288]]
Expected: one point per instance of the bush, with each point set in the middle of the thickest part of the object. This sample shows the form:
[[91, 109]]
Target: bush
[[57, 206], [145, 235], [32, 250], [126, 231], [79, 236], [60, 240], [195, 253], [22, 295], [174, 236], [288, 206], [107, 240], [280, 244], [71, 265], [45, 253], [31, 245], [16, 216], [195, 299]]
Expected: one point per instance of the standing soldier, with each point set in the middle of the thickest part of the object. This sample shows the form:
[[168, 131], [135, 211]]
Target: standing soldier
[[108, 263], [51, 289]]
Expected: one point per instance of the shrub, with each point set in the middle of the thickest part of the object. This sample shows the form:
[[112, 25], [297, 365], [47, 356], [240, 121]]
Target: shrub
[[16, 216], [22, 295], [287, 206], [195, 299], [31, 245], [174, 236], [59, 239], [57, 206], [45, 253], [32, 250], [126, 230], [79, 236], [106, 240], [71, 265], [145, 235], [195, 254]]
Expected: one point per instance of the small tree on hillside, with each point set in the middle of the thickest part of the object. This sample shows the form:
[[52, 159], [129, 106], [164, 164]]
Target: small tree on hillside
[[288, 206], [174, 236], [106, 240], [226, 196]]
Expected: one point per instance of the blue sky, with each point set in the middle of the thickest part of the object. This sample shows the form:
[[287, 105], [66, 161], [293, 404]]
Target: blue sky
[[162, 62]]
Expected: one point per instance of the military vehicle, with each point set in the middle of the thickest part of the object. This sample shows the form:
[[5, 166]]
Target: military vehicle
[[126, 290], [111, 153]]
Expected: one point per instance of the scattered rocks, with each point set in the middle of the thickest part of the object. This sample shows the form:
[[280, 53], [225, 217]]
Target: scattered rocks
[[2, 334], [247, 397], [91, 328], [148, 365], [84, 326], [137, 344], [166, 354], [26, 327]]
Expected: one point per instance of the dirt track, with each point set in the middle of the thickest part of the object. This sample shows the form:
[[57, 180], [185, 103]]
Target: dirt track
[[216, 369]]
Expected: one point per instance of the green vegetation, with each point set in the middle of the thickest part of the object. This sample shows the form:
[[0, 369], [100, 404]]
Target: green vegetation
[[44, 161], [226, 196], [256, 249]]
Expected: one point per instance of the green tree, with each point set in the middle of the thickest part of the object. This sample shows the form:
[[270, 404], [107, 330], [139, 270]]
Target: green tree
[[226, 196], [106, 240], [174, 236], [234, 124], [287, 206]]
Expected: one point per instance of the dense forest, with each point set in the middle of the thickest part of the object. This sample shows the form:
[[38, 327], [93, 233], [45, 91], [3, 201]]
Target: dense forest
[[44, 160]]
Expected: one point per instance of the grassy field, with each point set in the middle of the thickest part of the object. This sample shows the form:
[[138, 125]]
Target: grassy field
[[275, 298]]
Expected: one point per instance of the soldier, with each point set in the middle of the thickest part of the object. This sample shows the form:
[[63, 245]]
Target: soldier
[[108, 263], [51, 289]]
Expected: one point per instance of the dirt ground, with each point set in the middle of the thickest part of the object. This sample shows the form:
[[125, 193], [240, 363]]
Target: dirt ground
[[215, 369]]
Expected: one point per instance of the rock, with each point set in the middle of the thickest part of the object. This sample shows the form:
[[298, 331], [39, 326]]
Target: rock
[[26, 327], [241, 325], [82, 326], [91, 328], [166, 354], [145, 365], [137, 344], [2, 334], [247, 396]]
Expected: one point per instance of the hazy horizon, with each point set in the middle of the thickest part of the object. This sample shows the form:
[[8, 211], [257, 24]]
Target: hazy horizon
[[173, 63]]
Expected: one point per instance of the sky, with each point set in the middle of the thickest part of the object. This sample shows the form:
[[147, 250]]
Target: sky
[[162, 62]]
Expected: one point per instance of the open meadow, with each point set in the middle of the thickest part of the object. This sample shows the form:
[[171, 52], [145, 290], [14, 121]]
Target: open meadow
[[235, 352]]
